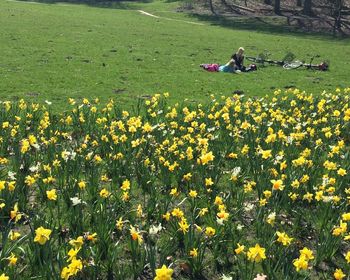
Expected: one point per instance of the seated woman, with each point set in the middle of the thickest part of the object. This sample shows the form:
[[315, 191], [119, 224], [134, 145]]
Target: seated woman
[[235, 64], [238, 58]]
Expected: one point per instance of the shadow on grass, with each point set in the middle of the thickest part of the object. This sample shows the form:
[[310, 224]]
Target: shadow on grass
[[279, 25], [99, 4]]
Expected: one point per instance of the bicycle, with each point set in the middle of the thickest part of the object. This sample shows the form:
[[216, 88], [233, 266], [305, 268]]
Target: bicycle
[[263, 60], [323, 66]]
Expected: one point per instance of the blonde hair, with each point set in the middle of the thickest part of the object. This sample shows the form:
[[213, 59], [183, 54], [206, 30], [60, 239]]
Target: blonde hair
[[240, 49]]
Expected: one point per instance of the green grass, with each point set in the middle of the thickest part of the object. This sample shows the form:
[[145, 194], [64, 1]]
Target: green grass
[[55, 51]]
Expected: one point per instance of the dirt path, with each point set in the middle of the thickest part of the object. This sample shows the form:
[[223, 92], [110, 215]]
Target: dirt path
[[179, 20], [147, 14]]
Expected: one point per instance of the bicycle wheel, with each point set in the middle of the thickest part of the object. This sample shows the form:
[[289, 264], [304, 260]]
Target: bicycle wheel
[[251, 58], [293, 65]]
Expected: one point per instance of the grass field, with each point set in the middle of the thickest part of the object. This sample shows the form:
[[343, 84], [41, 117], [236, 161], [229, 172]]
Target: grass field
[[225, 190], [55, 51]]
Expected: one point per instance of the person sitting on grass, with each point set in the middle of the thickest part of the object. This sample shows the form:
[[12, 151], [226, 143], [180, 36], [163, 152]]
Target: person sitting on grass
[[235, 64], [238, 57]]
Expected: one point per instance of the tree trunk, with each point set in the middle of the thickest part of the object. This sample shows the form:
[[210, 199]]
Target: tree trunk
[[212, 7], [268, 2], [337, 16], [277, 7], [299, 3], [307, 7]]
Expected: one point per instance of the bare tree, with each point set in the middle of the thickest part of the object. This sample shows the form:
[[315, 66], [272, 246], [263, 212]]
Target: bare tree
[[211, 7], [277, 7], [338, 4], [307, 10]]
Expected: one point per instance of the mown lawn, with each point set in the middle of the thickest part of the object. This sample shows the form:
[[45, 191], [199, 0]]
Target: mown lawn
[[55, 51]]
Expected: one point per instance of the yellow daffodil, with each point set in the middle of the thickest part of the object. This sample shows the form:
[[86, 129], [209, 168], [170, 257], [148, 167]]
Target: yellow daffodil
[[104, 193], [183, 225], [194, 252], [347, 257], [4, 277], [300, 263], [338, 274], [283, 238], [239, 249], [14, 235], [209, 231], [82, 185], [51, 194], [136, 235], [77, 243], [12, 259], [163, 273], [125, 185], [193, 193], [307, 253], [42, 235], [256, 254], [14, 214], [277, 185]]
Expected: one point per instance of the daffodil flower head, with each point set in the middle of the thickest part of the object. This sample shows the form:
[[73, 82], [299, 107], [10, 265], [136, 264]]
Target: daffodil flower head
[[163, 273]]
